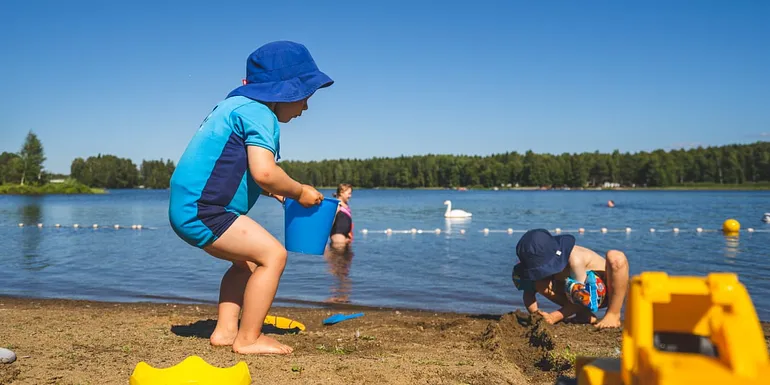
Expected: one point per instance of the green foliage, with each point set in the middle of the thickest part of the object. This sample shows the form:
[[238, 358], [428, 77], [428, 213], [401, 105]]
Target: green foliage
[[30, 161], [156, 174], [23, 173], [9, 168], [26, 166], [745, 165], [732, 164], [68, 187], [109, 171]]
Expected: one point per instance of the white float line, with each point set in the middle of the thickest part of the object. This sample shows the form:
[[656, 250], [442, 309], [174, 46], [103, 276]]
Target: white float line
[[674, 230], [94, 226]]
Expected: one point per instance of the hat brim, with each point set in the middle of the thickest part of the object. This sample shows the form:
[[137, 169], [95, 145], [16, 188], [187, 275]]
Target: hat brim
[[285, 91], [556, 263]]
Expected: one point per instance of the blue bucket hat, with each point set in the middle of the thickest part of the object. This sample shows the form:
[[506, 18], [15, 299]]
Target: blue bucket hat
[[281, 71], [542, 254]]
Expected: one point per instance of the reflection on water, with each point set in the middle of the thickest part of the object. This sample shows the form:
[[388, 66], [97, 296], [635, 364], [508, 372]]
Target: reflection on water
[[731, 248], [456, 224], [339, 260], [31, 212], [448, 272]]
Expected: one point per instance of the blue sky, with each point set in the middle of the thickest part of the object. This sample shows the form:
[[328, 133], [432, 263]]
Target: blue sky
[[135, 78]]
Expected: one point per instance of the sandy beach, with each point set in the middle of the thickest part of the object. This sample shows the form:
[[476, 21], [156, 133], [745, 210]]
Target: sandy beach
[[81, 342]]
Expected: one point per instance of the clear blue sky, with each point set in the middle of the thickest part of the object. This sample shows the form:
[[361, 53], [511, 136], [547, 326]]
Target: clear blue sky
[[135, 78]]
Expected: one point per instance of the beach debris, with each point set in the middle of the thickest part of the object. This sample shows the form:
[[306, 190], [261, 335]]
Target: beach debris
[[7, 356]]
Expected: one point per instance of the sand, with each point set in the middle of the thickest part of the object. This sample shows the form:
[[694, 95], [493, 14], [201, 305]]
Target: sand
[[82, 342]]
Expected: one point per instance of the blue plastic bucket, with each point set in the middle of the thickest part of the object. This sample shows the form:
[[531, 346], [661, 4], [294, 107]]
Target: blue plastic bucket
[[307, 229]]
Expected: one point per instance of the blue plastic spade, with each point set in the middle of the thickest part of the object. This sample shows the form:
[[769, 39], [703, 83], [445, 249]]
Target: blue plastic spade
[[340, 317]]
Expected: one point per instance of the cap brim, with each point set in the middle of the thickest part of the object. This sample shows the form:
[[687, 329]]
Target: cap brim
[[313, 82], [286, 91]]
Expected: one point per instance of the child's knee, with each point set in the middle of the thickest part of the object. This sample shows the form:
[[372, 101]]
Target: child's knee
[[616, 260], [243, 266], [277, 258]]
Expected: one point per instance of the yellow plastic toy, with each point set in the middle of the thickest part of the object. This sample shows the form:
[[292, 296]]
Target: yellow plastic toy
[[192, 371], [685, 330], [284, 323]]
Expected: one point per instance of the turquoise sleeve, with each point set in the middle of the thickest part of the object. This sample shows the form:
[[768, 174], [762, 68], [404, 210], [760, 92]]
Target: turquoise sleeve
[[255, 134], [259, 127]]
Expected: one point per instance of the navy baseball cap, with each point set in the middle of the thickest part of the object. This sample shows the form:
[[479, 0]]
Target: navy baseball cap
[[542, 254]]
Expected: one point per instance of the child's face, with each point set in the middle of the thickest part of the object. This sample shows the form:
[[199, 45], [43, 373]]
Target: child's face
[[288, 111], [346, 195]]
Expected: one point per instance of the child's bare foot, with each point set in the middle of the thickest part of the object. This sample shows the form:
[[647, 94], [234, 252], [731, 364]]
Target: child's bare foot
[[263, 345], [609, 321], [222, 337]]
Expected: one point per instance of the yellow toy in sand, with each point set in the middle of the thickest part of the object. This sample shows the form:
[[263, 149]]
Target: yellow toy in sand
[[284, 323], [192, 371], [685, 330], [195, 371]]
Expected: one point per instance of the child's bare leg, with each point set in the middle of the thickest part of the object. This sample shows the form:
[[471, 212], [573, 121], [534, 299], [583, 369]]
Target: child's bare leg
[[247, 241], [230, 301], [617, 285]]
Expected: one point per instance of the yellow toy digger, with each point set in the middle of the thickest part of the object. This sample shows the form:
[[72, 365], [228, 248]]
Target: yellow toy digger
[[684, 330]]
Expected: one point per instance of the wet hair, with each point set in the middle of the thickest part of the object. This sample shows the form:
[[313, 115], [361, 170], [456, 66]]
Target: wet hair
[[342, 188]]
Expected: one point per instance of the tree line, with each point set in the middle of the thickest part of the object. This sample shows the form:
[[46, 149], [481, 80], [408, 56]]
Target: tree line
[[729, 164], [109, 171], [25, 168]]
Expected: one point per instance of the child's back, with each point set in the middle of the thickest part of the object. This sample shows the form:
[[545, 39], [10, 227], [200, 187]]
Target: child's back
[[211, 181]]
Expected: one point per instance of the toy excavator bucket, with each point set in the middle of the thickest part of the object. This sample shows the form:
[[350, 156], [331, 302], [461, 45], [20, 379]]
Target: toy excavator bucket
[[192, 371], [685, 330]]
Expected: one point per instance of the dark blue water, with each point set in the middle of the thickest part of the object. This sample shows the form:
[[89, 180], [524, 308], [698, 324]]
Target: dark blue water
[[449, 271]]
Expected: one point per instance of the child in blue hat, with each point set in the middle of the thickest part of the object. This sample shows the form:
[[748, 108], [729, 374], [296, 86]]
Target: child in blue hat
[[228, 164], [573, 277]]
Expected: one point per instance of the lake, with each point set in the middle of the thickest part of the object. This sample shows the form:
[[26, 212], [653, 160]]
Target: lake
[[466, 271]]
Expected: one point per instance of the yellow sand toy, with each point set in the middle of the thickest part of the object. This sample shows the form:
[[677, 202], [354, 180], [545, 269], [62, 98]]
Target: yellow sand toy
[[192, 371], [284, 323], [685, 330], [195, 371]]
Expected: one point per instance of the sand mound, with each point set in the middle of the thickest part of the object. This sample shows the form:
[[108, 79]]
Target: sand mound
[[545, 352]]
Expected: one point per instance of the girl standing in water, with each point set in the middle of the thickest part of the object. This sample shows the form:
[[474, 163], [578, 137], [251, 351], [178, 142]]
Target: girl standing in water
[[342, 229]]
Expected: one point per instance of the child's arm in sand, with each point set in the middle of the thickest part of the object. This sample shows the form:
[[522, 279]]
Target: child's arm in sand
[[566, 311], [530, 301]]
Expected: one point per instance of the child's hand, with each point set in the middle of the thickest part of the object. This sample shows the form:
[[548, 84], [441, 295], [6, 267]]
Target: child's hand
[[547, 316], [309, 196]]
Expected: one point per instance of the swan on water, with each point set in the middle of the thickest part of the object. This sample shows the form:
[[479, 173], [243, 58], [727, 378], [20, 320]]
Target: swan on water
[[455, 213]]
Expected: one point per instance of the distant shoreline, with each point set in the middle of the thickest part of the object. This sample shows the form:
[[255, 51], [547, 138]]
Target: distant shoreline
[[715, 187], [66, 188]]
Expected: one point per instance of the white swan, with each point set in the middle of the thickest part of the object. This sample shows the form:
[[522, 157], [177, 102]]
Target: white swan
[[766, 218], [455, 213]]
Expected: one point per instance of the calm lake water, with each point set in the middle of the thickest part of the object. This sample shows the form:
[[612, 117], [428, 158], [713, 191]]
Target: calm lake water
[[450, 271]]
